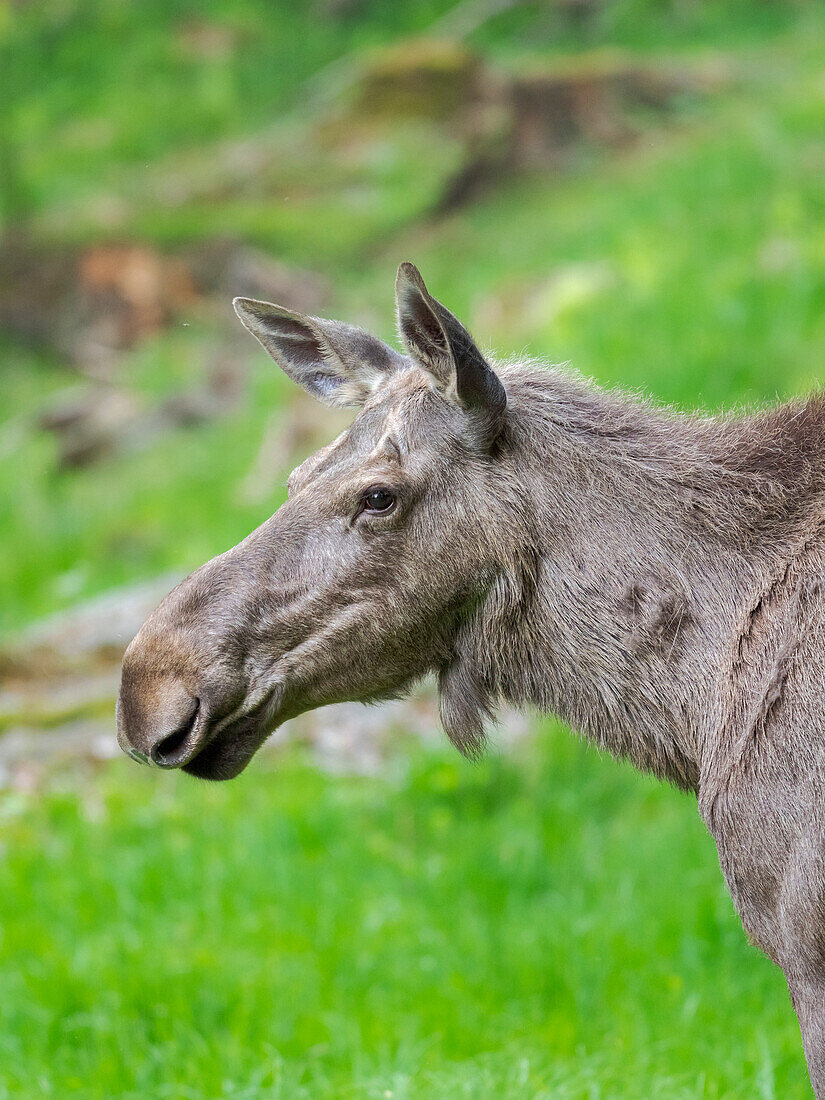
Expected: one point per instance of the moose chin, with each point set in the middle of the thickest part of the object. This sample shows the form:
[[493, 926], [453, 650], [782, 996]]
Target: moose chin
[[655, 578]]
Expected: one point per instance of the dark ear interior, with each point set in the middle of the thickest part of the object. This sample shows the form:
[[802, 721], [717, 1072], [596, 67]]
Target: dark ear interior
[[335, 362], [419, 325], [478, 386], [438, 340]]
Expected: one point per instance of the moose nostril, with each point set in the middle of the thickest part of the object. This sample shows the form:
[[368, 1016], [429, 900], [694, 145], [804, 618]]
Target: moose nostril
[[173, 750]]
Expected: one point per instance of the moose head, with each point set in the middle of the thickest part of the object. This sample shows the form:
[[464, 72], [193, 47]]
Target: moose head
[[359, 583]]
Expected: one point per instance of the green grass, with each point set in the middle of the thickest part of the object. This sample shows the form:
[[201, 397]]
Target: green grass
[[547, 926], [141, 514]]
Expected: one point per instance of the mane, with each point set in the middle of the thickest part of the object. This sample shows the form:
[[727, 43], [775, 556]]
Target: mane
[[753, 468]]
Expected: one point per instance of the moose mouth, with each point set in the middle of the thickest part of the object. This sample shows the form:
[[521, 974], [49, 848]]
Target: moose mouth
[[228, 754]]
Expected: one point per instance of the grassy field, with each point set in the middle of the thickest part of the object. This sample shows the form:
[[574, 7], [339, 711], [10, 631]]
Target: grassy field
[[546, 926], [542, 925]]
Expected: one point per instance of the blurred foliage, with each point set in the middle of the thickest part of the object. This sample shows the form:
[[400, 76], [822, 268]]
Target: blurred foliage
[[90, 86], [128, 82], [691, 264]]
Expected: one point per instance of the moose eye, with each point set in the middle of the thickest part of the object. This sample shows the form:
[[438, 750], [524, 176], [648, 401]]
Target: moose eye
[[379, 500]]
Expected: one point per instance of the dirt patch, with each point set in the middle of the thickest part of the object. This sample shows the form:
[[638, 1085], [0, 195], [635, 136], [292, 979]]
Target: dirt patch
[[88, 305]]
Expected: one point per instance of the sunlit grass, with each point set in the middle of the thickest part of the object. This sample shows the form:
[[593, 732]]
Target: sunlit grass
[[552, 925]]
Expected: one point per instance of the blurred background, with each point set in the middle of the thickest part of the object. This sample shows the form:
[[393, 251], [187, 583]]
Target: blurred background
[[636, 187]]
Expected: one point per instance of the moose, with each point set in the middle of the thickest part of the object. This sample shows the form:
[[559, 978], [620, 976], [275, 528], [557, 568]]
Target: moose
[[655, 578]]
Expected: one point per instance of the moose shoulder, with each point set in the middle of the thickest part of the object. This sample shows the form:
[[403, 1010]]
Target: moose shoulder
[[654, 578]]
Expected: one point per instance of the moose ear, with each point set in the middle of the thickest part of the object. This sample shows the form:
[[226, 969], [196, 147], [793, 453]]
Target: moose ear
[[337, 363], [445, 348]]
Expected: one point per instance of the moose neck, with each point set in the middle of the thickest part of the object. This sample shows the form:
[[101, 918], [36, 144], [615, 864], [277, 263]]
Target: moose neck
[[648, 540]]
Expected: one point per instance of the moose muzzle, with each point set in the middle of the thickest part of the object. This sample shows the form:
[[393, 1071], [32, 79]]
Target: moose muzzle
[[159, 721]]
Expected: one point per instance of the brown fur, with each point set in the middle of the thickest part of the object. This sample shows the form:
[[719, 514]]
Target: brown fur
[[654, 578]]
